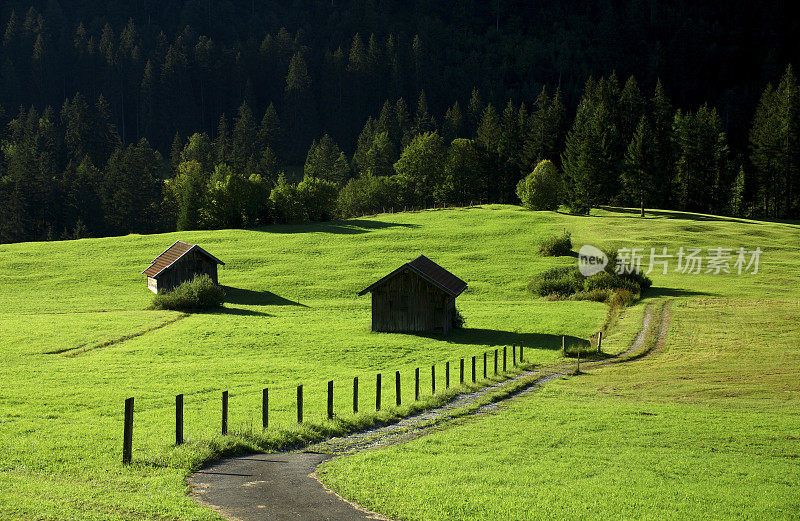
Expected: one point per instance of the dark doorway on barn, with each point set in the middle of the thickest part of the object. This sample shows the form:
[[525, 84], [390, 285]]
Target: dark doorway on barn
[[418, 297], [179, 263]]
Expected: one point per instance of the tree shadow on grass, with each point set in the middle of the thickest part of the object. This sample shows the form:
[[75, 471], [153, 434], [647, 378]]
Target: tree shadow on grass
[[348, 227], [672, 214], [495, 337], [674, 292], [249, 297], [237, 312]]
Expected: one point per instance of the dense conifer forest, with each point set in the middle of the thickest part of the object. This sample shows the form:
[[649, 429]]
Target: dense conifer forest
[[139, 116]]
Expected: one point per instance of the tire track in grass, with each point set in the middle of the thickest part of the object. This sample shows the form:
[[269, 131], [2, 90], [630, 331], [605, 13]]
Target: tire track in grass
[[282, 486], [83, 348]]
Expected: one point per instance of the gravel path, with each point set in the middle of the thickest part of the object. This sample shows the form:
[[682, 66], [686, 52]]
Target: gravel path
[[272, 487]]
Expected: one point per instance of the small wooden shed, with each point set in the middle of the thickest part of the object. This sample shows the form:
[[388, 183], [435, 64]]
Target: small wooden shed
[[418, 297], [180, 262]]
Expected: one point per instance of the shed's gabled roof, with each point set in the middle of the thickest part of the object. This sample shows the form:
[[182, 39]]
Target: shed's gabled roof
[[172, 254], [430, 271]]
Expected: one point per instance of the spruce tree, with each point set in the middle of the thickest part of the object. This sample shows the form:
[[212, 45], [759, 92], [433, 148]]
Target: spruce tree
[[637, 176], [243, 139], [775, 148], [662, 117], [703, 172], [325, 161], [453, 124], [474, 112], [423, 121]]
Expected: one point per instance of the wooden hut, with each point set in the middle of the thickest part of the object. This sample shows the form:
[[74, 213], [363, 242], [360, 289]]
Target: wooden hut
[[180, 262], [419, 297]]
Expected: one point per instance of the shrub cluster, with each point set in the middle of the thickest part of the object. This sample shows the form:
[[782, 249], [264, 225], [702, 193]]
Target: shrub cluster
[[197, 294], [542, 188], [557, 245], [607, 286], [458, 320]]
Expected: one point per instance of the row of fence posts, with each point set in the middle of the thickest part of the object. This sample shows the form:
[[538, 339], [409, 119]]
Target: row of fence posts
[[127, 443]]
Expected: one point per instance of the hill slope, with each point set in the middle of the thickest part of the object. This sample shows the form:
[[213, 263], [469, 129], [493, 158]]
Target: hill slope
[[76, 337]]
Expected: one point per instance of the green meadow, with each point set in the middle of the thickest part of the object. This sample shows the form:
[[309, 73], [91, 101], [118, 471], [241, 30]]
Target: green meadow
[[706, 428], [709, 424], [77, 339]]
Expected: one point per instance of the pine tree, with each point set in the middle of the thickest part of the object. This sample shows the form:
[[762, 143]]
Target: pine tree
[[404, 122], [474, 112], [222, 145], [357, 62], [663, 169], [270, 134], [591, 159], [363, 145], [175, 152], [544, 130], [488, 141], [703, 174], [423, 121], [243, 139], [299, 103], [631, 109], [381, 156], [325, 161], [453, 124], [638, 175], [775, 148]]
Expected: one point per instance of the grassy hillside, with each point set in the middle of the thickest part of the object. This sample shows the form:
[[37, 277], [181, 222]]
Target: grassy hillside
[[708, 428], [76, 340]]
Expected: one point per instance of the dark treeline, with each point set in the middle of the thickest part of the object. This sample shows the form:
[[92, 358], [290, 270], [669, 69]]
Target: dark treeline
[[143, 116]]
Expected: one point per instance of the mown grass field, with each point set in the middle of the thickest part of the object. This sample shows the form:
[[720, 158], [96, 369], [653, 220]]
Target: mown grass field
[[708, 428], [76, 340]]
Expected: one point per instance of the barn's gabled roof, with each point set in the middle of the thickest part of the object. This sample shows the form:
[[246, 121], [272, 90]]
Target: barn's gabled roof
[[428, 270], [172, 254]]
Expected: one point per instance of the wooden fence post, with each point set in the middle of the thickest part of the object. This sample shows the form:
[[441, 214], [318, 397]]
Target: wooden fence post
[[378, 392], [447, 375], [473, 369], [397, 387], [505, 350], [224, 413], [299, 404], [265, 408], [416, 384], [127, 432], [330, 399], [520, 353], [514, 354], [599, 341], [461, 372], [563, 346], [495, 361], [179, 419], [484, 365], [433, 379], [355, 395]]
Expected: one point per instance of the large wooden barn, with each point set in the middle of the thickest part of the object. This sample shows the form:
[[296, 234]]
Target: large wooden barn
[[418, 297], [179, 263]]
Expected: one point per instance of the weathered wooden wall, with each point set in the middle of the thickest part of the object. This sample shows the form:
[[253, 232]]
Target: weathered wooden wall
[[409, 303], [186, 268]]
